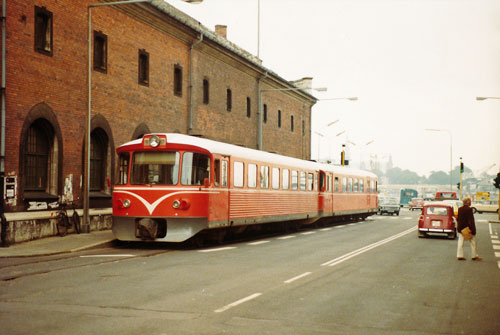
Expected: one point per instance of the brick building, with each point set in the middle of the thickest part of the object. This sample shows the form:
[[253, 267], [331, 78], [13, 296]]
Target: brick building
[[153, 69]]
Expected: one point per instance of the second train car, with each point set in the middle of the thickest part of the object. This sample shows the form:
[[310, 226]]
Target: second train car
[[172, 187]]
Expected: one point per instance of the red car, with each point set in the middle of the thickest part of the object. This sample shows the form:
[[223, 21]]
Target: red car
[[437, 218], [416, 203]]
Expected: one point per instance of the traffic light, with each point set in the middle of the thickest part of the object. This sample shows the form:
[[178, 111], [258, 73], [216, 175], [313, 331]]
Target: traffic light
[[342, 158], [496, 181], [458, 185], [461, 167]]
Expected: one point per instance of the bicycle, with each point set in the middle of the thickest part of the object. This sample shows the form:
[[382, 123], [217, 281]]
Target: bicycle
[[63, 221]]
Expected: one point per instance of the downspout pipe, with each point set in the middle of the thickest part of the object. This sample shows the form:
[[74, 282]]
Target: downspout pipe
[[261, 115], [2, 139], [190, 127]]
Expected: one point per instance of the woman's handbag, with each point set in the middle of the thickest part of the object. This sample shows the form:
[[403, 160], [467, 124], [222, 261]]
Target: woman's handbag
[[466, 233]]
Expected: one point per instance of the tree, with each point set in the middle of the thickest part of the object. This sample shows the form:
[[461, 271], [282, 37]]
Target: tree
[[438, 178]]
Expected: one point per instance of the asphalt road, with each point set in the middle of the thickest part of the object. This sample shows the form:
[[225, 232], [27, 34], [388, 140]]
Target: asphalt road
[[370, 277]]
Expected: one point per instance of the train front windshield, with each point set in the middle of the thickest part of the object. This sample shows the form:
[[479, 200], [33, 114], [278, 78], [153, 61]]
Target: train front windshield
[[155, 168], [162, 168]]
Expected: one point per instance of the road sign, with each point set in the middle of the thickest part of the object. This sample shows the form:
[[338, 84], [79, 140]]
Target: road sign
[[482, 196]]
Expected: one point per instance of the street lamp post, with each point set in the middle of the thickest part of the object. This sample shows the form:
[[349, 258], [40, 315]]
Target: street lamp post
[[320, 134], [451, 150], [493, 98]]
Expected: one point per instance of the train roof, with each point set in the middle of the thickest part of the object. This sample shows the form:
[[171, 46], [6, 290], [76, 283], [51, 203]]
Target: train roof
[[226, 149]]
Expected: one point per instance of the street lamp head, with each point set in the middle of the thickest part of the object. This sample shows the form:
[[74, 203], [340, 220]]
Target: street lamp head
[[332, 123], [321, 89], [343, 131], [194, 2], [353, 98], [481, 98]]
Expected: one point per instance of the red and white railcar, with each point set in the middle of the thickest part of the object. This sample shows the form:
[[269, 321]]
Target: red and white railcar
[[172, 187]]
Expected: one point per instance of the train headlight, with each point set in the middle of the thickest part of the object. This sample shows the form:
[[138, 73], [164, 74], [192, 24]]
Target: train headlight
[[154, 141], [176, 204], [125, 203]]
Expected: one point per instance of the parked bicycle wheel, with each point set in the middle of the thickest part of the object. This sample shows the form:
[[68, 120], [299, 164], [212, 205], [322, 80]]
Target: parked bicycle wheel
[[62, 224], [76, 221]]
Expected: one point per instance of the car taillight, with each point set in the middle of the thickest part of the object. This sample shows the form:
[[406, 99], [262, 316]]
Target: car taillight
[[421, 220]]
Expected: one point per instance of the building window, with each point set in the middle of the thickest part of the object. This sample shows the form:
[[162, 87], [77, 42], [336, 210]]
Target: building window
[[43, 31], [229, 100], [249, 107], [98, 154], [265, 113], [37, 153], [100, 52], [143, 67], [206, 91], [178, 80], [279, 119], [291, 123]]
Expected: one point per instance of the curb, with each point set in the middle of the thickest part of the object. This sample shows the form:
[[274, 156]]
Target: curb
[[53, 253]]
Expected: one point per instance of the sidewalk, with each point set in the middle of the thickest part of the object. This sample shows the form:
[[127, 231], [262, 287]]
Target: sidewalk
[[58, 245]]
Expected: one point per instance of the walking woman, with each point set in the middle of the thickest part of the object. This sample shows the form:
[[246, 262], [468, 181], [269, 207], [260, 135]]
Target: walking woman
[[466, 219]]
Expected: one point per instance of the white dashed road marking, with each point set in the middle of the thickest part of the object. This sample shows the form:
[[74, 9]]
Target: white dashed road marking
[[286, 237], [297, 277], [217, 249], [99, 256], [239, 302], [258, 242]]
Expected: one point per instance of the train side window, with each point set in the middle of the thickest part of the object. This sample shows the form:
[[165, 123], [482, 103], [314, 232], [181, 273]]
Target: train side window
[[195, 168], [238, 174], [252, 175], [336, 184], [349, 185], [310, 181], [286, 180], [224, 174], [276, 178], [264, 176], [361, 185], [217, 172], [124, 163], [344, 184], [322, 181], [295, 180], [302, 180], [356, 183]]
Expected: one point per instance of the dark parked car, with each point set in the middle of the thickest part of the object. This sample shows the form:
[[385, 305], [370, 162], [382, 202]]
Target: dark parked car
[[437, 218], [389, 206]]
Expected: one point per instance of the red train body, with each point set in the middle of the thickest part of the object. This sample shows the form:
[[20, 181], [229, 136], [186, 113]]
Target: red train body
[[172, 187]]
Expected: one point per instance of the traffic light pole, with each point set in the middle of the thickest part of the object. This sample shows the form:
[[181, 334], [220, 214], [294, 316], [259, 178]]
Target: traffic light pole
[[496, 183], [461, 172]]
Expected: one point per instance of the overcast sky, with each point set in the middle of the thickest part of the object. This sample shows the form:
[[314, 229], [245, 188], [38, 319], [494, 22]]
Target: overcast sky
[[414, 64]]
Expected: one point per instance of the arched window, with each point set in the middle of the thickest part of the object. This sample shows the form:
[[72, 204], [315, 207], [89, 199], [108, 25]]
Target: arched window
[[98, 156], [37, 155]]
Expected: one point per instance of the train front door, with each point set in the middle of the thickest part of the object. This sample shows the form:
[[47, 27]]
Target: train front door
[[219, 204]]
